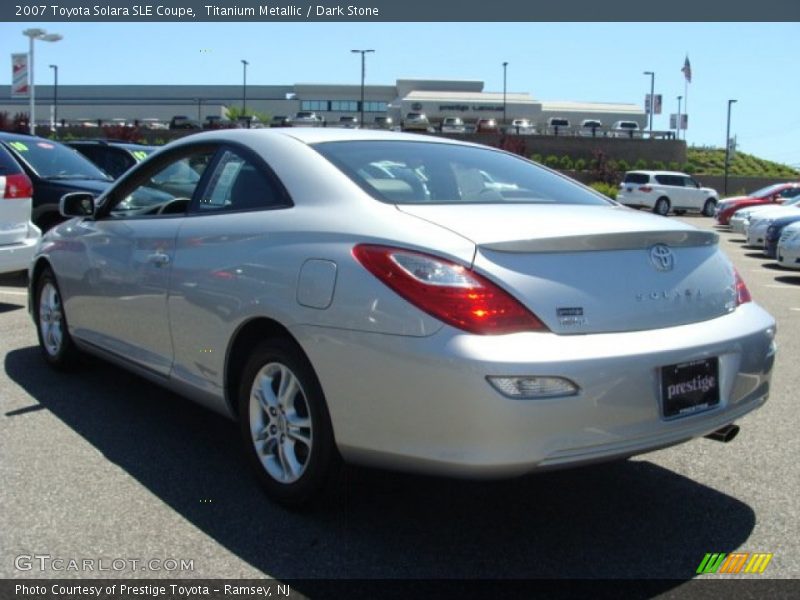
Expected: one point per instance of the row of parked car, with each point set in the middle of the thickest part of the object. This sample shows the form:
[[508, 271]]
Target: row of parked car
[[769, 219]]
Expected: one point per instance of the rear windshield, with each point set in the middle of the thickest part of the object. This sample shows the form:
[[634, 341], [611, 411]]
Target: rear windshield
[[400, 172], [637, 178], [51, 160]]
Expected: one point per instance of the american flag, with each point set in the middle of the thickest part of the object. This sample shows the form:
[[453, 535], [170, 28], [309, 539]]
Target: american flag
[[687, 70]]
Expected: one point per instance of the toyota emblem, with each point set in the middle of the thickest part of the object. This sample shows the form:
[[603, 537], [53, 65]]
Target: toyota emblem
[[662, 258]]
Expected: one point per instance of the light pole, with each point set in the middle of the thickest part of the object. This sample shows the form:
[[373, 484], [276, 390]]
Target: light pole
[[36, 34], [244, 87], [680, 122], [55, 95], [727, 147], [505, 67], [363, 76], [652, 98]]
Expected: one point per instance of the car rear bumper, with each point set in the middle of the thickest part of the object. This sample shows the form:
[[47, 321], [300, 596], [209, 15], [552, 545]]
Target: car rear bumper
[[18, 256], [424, 404]]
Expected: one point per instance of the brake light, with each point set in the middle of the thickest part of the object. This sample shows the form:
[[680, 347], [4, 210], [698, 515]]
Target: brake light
[[18, 186], [447, 291], [645, 188], [742, 293]]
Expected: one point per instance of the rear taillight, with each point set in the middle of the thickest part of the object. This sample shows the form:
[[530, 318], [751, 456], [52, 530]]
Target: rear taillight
[[645, 188], [18, 186], [450, 292], [742, 293]]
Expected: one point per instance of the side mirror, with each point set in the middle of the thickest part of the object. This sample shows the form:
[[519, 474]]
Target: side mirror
[[76, 204]]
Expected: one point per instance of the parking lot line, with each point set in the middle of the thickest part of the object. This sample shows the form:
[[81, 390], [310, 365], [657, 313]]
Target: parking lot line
[[779, 286], [13, 293]]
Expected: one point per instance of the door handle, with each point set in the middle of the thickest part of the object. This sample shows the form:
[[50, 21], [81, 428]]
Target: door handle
[[159, 259]]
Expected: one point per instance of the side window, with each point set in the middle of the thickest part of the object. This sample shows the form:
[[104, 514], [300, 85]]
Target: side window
[[166, 188], [238, 184], [790, 192], [691, 183]]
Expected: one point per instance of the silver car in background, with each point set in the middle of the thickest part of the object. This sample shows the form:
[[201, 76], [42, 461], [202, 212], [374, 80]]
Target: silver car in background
[[404, 301]]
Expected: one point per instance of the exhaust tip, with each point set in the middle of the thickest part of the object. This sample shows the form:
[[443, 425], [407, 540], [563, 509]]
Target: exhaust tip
[[724, 434]]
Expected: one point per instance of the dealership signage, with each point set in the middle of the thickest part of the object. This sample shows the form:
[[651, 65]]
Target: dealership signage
[[656, 104], [19, 75], [474, 107]]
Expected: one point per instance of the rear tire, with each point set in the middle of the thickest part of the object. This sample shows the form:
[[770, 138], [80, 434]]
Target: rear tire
[[51, 323], [284, 423], [662, 207], [708, 207]]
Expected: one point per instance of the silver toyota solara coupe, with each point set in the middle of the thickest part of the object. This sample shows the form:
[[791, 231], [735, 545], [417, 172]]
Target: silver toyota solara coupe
[[402, 301]]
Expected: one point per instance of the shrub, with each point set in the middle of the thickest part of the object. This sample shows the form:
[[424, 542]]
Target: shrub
[[674, 166], [603, 169], [122, 132], [658, 165], [580, 165], [622, 165], [640, 164], [565, 163], [605, 189], [536, 158], [551, 161]]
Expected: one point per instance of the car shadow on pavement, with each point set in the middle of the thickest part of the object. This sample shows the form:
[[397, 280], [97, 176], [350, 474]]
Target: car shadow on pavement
[[789, 279], [628, 519], [4, 307], [18, 279]]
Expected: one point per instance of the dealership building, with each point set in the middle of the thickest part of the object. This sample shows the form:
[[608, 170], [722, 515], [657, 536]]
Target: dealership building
[[436, 98]]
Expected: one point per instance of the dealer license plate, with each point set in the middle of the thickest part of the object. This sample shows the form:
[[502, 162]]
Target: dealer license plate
[[689, 387]]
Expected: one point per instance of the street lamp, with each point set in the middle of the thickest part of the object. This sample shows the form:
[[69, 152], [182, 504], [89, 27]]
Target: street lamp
[[652, 97], [36, 34], [55, 95], [244, 87], [727, 147], [363, 75], [505, 66], [680, 122]]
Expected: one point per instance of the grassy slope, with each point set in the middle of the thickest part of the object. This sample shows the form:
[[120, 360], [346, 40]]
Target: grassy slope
[[711, 161]]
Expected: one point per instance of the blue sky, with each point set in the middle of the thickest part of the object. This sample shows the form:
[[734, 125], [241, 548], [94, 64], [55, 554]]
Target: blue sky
[[755, 63]]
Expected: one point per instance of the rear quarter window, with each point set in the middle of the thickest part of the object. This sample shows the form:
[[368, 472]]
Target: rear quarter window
[[638, 178]]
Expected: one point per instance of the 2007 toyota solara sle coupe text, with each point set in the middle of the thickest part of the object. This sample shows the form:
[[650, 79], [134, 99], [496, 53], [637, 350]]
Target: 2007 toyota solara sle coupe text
[[402, 301]]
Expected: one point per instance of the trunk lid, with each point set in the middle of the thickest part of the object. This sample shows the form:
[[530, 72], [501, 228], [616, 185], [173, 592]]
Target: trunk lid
[[587, 269]]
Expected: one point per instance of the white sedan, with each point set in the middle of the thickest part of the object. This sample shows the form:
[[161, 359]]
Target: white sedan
[[789, 247], [741, 218]]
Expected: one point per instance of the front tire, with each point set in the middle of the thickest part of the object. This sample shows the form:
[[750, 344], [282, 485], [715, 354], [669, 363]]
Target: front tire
[[284, 423], [708, 207], [51, 323], [662, 207]]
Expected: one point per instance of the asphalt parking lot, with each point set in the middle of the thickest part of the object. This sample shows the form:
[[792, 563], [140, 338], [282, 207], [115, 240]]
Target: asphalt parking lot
[[101, 464]]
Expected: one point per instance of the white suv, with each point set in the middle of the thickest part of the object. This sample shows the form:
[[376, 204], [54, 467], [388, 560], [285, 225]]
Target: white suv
[[665, 191]]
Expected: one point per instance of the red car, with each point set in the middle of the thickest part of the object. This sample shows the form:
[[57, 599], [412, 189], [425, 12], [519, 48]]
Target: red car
[[486, 126], [778, 194]]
